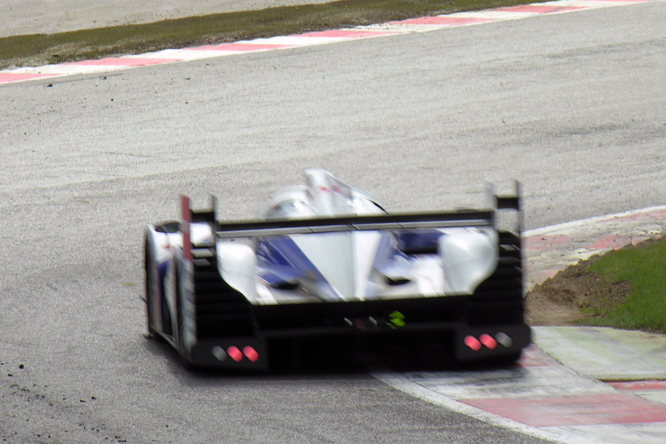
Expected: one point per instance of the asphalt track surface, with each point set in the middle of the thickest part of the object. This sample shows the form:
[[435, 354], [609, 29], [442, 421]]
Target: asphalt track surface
[[571, 105]]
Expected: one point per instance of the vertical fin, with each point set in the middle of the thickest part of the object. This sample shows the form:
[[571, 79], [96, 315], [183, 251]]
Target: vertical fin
[[185, 219]]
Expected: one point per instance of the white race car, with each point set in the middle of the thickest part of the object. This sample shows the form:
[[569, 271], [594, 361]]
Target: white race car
[[324, 265]]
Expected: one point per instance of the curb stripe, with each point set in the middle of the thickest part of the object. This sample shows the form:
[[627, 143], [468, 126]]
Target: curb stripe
[[613, 408], [403, 384], [639, 385], [422, 24], [607, 218], [345, 34], [6, 77], [551, 249], [119, 61], [538, 9], [448, 21], [240, 47]]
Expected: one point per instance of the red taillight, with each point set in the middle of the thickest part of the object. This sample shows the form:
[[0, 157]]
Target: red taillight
[[488, 341], [472, 343], [234, 353], [250, 353]]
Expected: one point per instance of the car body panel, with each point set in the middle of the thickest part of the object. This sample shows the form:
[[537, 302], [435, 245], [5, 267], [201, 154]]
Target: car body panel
[[325, 260]]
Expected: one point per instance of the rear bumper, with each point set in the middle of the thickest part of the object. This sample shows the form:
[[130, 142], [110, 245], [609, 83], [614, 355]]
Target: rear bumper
[[459, 342]]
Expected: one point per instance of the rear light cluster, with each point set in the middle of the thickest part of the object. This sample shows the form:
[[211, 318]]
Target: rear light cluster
[[235, 354], [488, 341]]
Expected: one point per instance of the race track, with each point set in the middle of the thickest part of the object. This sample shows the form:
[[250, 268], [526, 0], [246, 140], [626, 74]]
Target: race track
[[572, 105]]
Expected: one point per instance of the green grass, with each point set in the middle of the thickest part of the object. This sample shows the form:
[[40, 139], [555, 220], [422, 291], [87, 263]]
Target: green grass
[[645, 269], [40, 49]]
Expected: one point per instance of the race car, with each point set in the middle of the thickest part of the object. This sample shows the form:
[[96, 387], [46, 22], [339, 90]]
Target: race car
[[325, 268]]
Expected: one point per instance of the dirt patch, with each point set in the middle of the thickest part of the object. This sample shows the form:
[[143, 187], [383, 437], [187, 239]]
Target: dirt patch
[[22, 17], [573, 294]]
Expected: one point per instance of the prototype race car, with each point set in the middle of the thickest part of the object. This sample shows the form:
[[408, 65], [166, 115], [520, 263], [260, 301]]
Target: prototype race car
[[326, 268]]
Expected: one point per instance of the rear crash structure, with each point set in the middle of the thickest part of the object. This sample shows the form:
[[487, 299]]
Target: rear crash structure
[[326, 270]]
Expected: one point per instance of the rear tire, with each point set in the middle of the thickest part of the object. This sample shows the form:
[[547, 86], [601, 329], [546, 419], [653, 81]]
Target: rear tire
[[149, 270], [180, 333], [179, 316]]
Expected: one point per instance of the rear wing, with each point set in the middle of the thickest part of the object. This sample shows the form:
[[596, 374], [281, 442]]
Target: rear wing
[[493, 217], [468, 258], [356, 223]]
